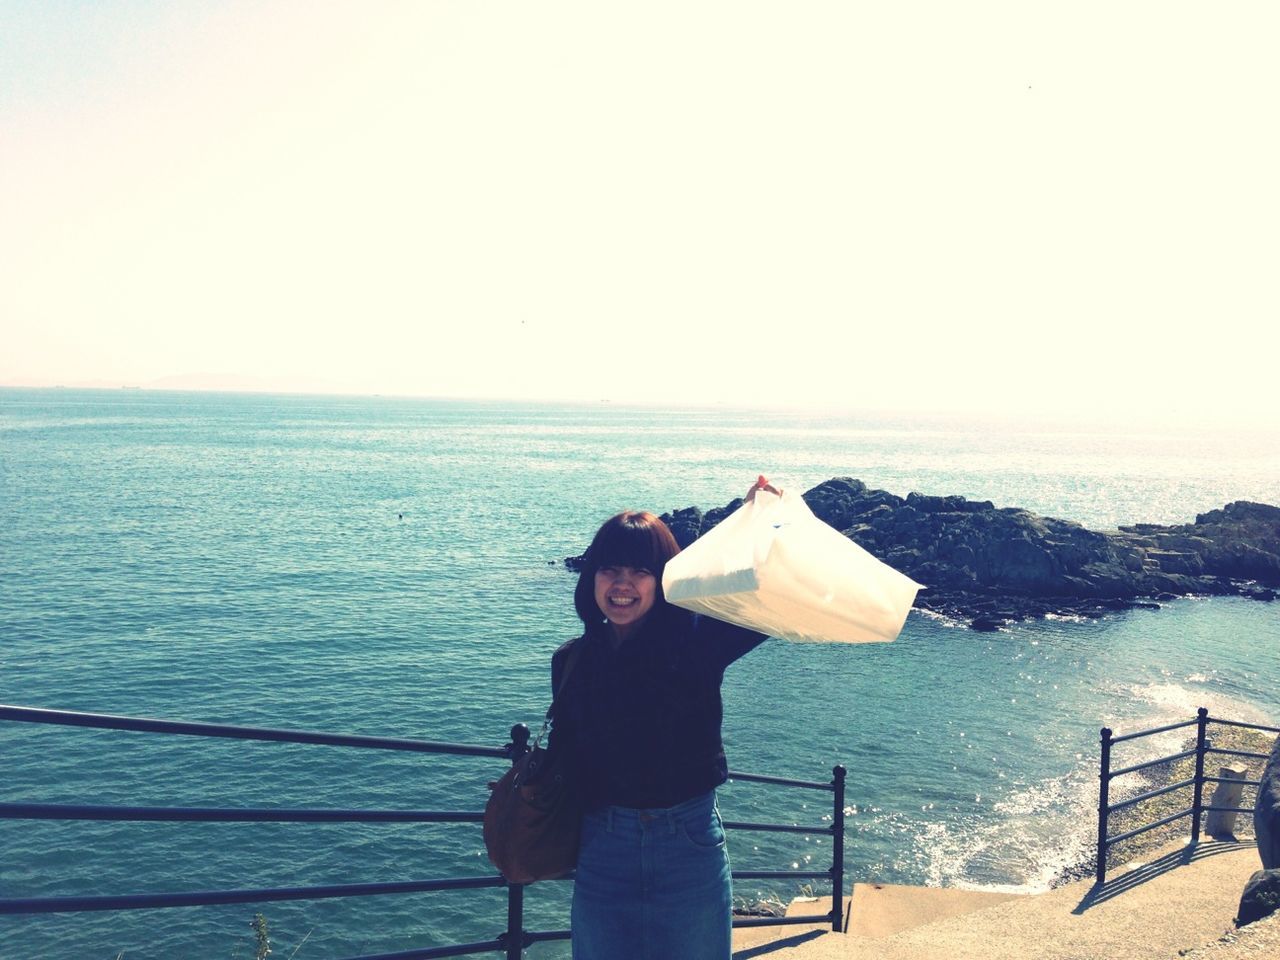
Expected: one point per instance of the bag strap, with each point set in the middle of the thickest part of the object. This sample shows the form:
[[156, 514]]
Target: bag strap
[[575, 653]]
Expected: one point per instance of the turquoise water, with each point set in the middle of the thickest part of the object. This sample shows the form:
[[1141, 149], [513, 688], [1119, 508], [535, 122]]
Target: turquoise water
[[235, 558]]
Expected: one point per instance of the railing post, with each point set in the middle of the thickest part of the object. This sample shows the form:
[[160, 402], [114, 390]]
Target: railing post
[[519, 744], [1197, 804], [515, 921], [1104, 802], [1222, 823], [514, 937], [837, 849]]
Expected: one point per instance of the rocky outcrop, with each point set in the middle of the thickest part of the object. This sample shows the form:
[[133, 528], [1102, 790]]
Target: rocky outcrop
[[1238, 542], [1266, 812], [992, 565]]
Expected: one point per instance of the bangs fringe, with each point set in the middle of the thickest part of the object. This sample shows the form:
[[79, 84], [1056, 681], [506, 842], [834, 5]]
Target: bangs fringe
[[629, 545]]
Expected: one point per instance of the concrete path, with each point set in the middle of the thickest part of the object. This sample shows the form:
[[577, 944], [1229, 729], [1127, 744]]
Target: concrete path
[[1179, 899]]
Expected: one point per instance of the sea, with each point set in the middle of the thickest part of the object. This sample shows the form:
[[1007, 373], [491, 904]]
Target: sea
[[392, 566]]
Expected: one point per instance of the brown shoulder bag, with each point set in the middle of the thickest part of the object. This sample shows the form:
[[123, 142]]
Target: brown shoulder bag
[[534, 813]]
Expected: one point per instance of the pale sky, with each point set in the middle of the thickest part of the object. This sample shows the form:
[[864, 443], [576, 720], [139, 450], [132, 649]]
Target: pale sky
[[927, 206]]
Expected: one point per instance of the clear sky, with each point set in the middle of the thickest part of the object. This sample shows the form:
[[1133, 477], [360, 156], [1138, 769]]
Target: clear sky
[[946, 206]]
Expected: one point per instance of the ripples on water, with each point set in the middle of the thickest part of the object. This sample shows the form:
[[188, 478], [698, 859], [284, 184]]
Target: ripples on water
[[241, 559]]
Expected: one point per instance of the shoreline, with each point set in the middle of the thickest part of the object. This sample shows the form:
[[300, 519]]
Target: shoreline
[[1157, 808]]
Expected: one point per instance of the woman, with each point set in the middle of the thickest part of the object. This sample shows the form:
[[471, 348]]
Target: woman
[[639, 716]]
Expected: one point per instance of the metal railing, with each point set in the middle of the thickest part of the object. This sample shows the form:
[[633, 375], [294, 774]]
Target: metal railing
[[512, 941], [1203, 746]]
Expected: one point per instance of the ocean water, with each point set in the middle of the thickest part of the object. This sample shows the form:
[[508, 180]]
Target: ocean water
[[242, 559]]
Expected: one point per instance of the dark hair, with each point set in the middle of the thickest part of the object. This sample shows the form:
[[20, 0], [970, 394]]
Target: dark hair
[[633, 538]]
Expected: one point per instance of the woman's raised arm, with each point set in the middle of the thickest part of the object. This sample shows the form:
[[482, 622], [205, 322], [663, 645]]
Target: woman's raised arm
[[762, 483]]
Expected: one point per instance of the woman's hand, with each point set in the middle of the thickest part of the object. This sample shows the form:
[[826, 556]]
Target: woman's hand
[[762, 483]]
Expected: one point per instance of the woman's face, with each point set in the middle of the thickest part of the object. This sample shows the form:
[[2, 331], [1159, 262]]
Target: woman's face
[[625, 595]]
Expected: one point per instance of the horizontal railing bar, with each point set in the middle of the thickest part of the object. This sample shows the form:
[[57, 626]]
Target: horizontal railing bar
[[1150, 826], [782, 781], [432, 953], [1247, 783], [105, 721], [1250, 726], [1154, 793], [1238, 753], [70, 811], [782, 874], [1147, 733], [1151, 763], [781, 921], [148, 901], [776, 827], [1228, 809], [540, 936]]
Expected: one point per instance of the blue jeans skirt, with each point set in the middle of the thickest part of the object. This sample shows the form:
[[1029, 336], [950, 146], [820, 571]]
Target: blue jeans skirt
[[653, 884]]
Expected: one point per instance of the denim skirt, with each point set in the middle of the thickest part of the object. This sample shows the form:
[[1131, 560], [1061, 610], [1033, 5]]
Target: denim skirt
[[653, 884]]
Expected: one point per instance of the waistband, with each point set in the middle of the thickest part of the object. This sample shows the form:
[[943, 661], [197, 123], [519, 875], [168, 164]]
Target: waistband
[[693, 808]]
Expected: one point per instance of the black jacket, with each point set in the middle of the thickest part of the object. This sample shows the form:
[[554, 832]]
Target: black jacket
[[642, 722]]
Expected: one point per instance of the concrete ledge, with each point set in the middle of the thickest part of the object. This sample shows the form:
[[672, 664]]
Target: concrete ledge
[[883, 909]]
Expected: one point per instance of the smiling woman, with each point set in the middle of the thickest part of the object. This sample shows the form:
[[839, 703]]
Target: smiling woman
[[639, 725], [626, 558], [625, 595]]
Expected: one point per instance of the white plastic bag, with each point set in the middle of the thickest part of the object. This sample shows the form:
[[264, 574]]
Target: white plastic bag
[[774, 567]]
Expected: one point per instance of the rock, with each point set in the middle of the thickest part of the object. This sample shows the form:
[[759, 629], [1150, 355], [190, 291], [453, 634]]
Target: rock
[[1174, 561], [1243, 541], [1266, 811], [685, 525], [837, 501], [1242, 511], [1261, 897], [760, 908], [987, 624], [947, 504]]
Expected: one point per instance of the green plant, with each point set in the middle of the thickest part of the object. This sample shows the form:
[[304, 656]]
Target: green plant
[[262, 937]]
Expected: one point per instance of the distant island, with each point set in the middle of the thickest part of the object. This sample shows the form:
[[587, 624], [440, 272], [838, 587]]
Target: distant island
[[991, 566]]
